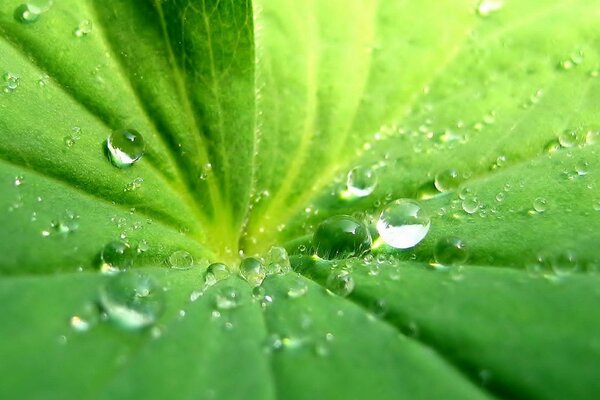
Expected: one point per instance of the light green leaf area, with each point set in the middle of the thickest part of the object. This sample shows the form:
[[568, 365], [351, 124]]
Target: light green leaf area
[[252, 114]]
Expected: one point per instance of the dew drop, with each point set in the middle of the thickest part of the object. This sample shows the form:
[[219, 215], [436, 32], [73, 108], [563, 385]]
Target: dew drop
[[447, 180], [277, 261], [67, 223], [341, 236], [214, 273], [252, 270], [85, 320], [403, 224], [297, 288], [488, 7], [83, 29], [451, 251], [568, 138], [132, 300], [116, 256], [470, 204], [361, 181], [27, 13], [340, 283], [134, 185], [125, 147], [180, 259], [227, 298], [540, 204], [11, 82], [19, 180]]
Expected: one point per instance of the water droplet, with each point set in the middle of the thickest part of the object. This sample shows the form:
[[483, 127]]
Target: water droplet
[[488, 7], [340, 283], [447, 180], [67, 223], [470, 204], [252, 270], [86, 319], [83, 29], [403, 224], [563, 264], [277, 261], [451, 251], [27, 13], [19, 180], [180, 260], [568, 138], [125, 147], [134, 185], [500, 197], [132, 300], [361, 181], [72, 137], [582, 168], [116, 256], [297, 288], [227, 298], [214, 273], [341, 236], [427, 191], [11, 82], [540, 204]]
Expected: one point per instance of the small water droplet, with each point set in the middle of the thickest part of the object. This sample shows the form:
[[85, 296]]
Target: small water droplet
[[214, 273], [500, 197], [341, 236], [116, 256], [297, 288], [180, 259], [19, 180], [277, 261], [340, 283], [403, 224], [252, 270], [11, 82], [86, 319], [451, 251], [27, 13], [447, 180], [568, 138], [227, 298], [470, 205], [488, 7], [125, 147], [84, 28], [361, 181], [132, 300], [134, 185], [67, 223], [540, 204]]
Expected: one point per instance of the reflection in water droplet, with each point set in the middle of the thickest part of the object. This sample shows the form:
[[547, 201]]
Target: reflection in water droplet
[[180, 260], [341, 236], [451, 251], [403, 224], [125, 147], [361, 181], [132, 300]]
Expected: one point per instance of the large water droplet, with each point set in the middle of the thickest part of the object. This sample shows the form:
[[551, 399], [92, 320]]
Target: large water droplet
[[361, 181], [180, 259], [403, 224], [132, 300], [116, 256], [451, 251], [341, 236], [252, 270], [125, 147], [214, 273], [340, 283]]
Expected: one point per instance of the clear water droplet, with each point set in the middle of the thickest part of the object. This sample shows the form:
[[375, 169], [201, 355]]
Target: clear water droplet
[[214, 273], [451, 251], [470, 205], [568, 138], [27, 13], [67, 223], [132, 300], [84, 28], [488, 7], [227, 298], [116, 256], [361, 181], [403, 224], [125, 147], [134, 185], [180, 259], [341, 236], [11, 82], [86, 319], [297, 288], [340, 283], [252, 270], [277, 261], [540, 204], [447, 180], [19, 180]]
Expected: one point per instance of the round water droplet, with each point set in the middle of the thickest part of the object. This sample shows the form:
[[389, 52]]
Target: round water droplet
[[403, 224], [564, 264], [277, 261], [540, 204], [83, 29], [181, 260], [125, 147], [214, 273], [297, 288], [568, 138], [116, 256], [27, 13], [340, 283], [11, 82], [361, 181], [86, 319], [227, 298], [132, 300], [252, 270], [470, 205], [447, 180], [451, 251], [341, 236]]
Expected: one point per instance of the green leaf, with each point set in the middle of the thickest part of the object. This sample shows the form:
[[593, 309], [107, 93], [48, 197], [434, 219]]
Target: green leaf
[[253, 112]]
